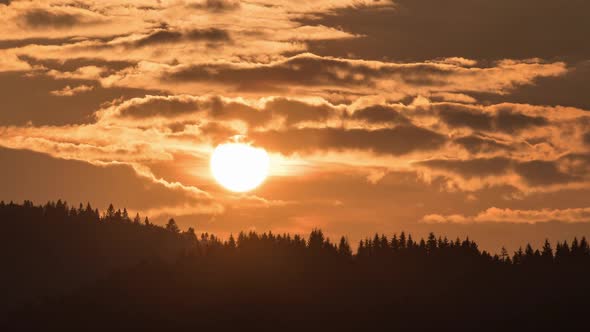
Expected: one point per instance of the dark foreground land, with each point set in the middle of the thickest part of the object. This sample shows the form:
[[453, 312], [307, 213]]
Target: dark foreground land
[[72, 269]]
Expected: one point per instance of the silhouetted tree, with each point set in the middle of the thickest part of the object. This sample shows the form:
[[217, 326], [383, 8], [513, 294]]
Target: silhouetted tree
[[316, 240], [547, 252], [504, 256], [575, 248], [562, 252], [584, 248], [344, 248], [518, 257], [190, 235], [362, 251], [231, 243], [402, 240], [172, 226], [409, 242], [395, 244], [431, 244], [125, 215]]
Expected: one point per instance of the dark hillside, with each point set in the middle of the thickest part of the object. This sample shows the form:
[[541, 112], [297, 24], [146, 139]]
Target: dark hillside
[[71, 268]]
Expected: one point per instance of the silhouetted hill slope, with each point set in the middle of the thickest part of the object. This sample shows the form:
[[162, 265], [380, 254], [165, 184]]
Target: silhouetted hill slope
[[52, 249], [111, 273]]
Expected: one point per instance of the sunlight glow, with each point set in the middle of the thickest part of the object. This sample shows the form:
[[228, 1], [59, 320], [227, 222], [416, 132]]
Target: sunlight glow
[[239, 167]]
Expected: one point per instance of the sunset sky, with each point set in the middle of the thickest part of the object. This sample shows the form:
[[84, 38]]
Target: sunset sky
[[465, 117]]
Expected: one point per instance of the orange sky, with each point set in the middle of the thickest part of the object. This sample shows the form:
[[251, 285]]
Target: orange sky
[[468, 118]]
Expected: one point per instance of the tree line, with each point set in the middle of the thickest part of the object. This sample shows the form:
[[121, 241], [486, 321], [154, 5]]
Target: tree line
[[378, 246], [77, 266]]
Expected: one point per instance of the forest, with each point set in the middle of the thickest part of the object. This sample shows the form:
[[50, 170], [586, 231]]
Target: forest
[[67, 267]]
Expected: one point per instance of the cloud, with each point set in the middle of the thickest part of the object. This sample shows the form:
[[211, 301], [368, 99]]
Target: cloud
[[380, 114], [210, 34], [396, 141], [568, 171], [254, 113], [562, 90], [470, 168], [457, 115], [502, 118], [172, 109], [167, 36], [40, 18], [68, 91], [311, 75], [50, 65], [166, 106], [510, 122], [19, 43], [10, 62], [257, 32], [295, 111], [453, 97], [41, 107], [532, 154], [217, 6], [159, 37], [77, 181], [498, 215], [542, 173], [531, 28], [478, 144]]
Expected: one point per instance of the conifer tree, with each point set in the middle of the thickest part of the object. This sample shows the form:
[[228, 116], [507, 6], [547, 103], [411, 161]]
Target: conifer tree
[[118, 215], [344, 248], [172, 226], [110, 213], [231, 243], [361, 251], [547, 252], [316, 240], [518, 256], [529, 252], [409, 242], [190, 234], [574, 249], [504, 257], [125, 215], [584, 248], [431, 243], [402, 240], [394, 243]]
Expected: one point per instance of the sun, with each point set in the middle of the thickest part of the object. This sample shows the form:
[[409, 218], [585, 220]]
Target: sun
[[239, 167]]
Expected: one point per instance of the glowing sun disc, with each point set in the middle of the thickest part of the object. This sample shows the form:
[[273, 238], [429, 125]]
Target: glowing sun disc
[[239, 167]]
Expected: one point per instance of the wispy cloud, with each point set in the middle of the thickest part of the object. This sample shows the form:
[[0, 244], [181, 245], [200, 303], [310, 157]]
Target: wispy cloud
[[68, 91], [498, 215]]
